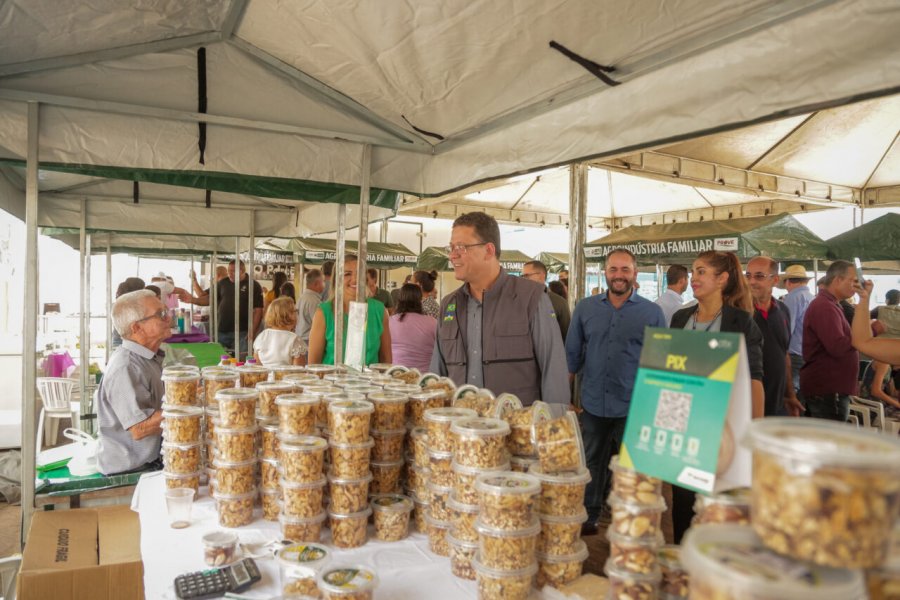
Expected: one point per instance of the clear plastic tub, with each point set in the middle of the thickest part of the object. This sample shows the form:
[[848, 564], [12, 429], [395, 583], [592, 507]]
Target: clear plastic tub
[[302, 529], [268, 438], [279, 372], [499, 584], [418, 445], [481, 400], [321, 371], [301, 381], [349, 530], [731, 561], [635, 487], [269, 476], [417, 479], [302, 457], [437, 426], [420, 511], [349, 495], [439, 502], [303, 499], [560, 535], [388, 444], [559, 570], [464, 481], [235, 477], [462, 553], [270, 500], [349, 421], [559, 444], [732, 506], [507, 499], [386, 476], [480, 442], [324, 393], [823, 491], [211, 420], [236, 445], [420, 401], [521, 421], [521, 464], [390, 410], [182, 424], [350, 460], [624, 585], [635, 555], [268, 392], [437, 535], [347, 582], [439, 464], [219, 548], [237, 407], [463, 517], [252, 374], [635, 519], [181, 387], [218, 379], [675, 582], [187, 480], [182, 459], [380, 367], [297, 413], [391, 515], [298, 565], [235, 510], [562, 494], [507, 549]]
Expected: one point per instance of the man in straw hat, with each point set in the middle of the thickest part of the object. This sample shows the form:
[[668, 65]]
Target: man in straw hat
[[796, 281]]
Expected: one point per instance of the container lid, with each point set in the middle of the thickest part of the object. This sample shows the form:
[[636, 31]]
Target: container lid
[[573, 425], [219, 539], [248, 429], [415, 392], [391, 503], [437, 522], [427, 378], [175, 411], [630, 542], [212, 410], [361, 387], [382, 397], [352, 406], [319, 391], [669, 557], [579, 477], [367, 444], [580, 517], [388, 432], [523, 573], [217, 369], [438, 454], [735, 559], [508, 483], [245, 368], [448, 414], [480, 427], [308, 556], [417, 500], [440, 489], [654, 576], [345, 579], [270, 461], [807, 442], [458, 468], [301, 443], [456, 505], [349, 480], [290, 519], [220, 374], [219, 464], [287, 368], [343, 395], [387, 463], [236, 393], [220, 496], [537, 412], [267, 423], [320, 368], [297, 399], [417, 432], [181, 374], [168, 475], [735, 497], [274, 386], [524, 462], [464, 390], [299, 377], [533, 528], [181, 446], [380, 367], [363, 514], [616, 501], [580, 555], [455, 541], [303, 486]]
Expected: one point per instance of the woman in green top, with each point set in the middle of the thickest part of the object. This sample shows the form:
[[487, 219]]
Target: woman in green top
[[321, 334]]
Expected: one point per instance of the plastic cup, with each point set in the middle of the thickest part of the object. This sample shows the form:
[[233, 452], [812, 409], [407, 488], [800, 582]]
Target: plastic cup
[[178, 506]]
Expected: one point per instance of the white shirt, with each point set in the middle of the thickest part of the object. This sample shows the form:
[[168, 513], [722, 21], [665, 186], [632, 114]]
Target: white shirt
[[670, 302], [277, 347]]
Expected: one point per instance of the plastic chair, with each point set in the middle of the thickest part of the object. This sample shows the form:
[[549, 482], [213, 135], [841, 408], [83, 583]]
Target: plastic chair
[[853, 420], [863, 417], [56, 395], [9, 571], [891, 426], [876, 407]]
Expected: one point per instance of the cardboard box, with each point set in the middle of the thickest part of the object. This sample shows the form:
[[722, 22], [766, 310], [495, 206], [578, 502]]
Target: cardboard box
[[83, 554]]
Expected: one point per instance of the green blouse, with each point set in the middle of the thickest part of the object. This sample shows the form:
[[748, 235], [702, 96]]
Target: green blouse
[[374, 329]]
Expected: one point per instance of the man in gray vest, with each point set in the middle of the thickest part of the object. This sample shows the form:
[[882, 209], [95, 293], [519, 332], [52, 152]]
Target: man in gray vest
[[497, 331]]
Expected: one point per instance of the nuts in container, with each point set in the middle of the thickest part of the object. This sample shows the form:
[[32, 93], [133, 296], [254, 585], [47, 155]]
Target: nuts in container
[[347, 583], [271, 504], [269, 476], [386, 476], [499, 584], [181, 387], [235, 510], [280, 372], [559, 444], [730, 561], [557, 571], [560, 535], [437, 426], [562, 494], [298, 565], [302, 457], [297, 413], [635, 487], [388, 445], [181, 459], [521, 421], [408, 376], [321, 371], [480, 442], [189, 480], [182, 423], [439, 502], [390, 410], [323, 393], [675, 582], [418, 444], [635, 555], [268, 438], [420, 511], [463, 517], [219, 548], [419, 402], [464, 481], [732, 506], [624, 585], [507, 500], [481, 400], [268, 392], [417, 480], [211, 420], [439, 464], [636, 520], [349, 420], [235, 477], [823, 491], [437, 535], [461, 555], [217, 379], [252, 374], [507, 549], [301, 381], [350, 460], [237, 406], [303, 499], [307, 529], [349, 530], [348, 495], [236, 445], [391, 516]]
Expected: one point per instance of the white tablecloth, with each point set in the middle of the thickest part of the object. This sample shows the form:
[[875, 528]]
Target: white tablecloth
[[407, 570]]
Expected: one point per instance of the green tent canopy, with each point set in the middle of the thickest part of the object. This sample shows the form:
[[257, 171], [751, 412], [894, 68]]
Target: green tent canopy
[[555, 261], [311, 251], [434, 258], [780, 237], [877, 240]]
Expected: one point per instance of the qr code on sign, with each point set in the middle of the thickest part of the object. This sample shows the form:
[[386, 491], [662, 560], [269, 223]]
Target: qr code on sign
[[673, 410]]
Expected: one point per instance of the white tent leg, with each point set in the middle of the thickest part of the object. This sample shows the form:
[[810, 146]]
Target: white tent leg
[[109, 300], [212, 316], [237, 299], [251, 256], [337, 284], [85, 297], [578, 220]]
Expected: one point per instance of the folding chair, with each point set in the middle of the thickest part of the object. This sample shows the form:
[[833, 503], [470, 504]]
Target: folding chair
[[876, 407], [56, 396], [9, 571]]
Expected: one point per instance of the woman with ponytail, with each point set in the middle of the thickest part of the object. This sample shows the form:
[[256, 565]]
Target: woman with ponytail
[[425, 280], [723, 304]]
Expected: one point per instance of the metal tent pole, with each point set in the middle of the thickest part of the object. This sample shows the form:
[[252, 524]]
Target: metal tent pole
[[577, 231], [190, 319], [363, 224], [213, 314], [109, 298], [337, 284], [250, 257], [84, 334], [237, 298]]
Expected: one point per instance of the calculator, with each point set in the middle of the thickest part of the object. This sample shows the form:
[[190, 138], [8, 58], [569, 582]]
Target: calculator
[[214, 583]]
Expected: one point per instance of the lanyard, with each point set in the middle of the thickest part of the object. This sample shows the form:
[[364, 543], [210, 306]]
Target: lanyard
[[694, 320]]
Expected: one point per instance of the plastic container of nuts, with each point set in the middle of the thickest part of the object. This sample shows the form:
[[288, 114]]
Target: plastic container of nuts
[[321, 371], [268, 438], [625, 585], [188, 480], [559, 444], [560, 535], [391, 515], [559, 570], [386, 476], [439, 463], [270, 500], [732, 506], [349, 421], [461, 555], [237, 444], [481, 400], [388, 445], [675, 582], [464, 481], [730, 561], [279, 372], [181, 387], [823, 491], [235, 510], [418, 446], [390, 410], [219, 548], [302, 457], [349, 530], [633, 486], [269, 477], [438, 531], [439, 502], [305, 529], [420, 511], [503, 584], [350, 582], [298, 565], [507, 548], [635, 555], [350, 460], [521, 422], [297, 413], [252, 374], [235, 477], [182, 459], [303, 499], [480, 442], [417, 480], [419, 402], [349, 495], [217, 379], [237, 406], [562, 494], [507, 499], [437, 426], [521, 464], [182, 423], [634, 519], [268, 392], [463, 517]]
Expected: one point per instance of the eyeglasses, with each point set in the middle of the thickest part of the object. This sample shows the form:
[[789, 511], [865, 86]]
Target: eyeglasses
[[461, 249], [530, 275], [757, 276], [162, 314]]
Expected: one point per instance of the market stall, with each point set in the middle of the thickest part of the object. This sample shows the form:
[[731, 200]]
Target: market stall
[[433, 258], [876, 243], [555, 261], [313, 251]]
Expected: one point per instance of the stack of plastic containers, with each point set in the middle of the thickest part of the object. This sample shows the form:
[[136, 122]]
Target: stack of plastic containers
[[214, 379], [182, 428], [521, 423], [388, 433], [299, 565], [349, 427], [236, 456]]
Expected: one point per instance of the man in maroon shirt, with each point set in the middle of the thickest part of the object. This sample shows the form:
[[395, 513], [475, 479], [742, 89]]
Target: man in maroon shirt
[[831, 364]]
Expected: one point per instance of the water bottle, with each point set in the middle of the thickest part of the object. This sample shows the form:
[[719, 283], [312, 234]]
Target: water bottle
[[225, 360], [181, 321]]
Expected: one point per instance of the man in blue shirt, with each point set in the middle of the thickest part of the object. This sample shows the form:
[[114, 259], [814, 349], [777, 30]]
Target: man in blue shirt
[[795, 280], [604, 344]]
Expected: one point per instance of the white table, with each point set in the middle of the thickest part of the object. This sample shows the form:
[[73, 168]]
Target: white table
[[407, 570]]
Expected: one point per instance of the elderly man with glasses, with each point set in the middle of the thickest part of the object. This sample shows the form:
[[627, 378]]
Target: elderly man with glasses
[[535, 270], [129, 398], [497, 331]]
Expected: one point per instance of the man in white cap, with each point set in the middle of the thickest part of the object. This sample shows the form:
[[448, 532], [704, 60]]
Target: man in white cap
[[796, 282]]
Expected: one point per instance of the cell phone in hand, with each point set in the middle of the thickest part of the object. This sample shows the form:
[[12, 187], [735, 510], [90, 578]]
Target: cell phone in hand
[[859, 272]]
